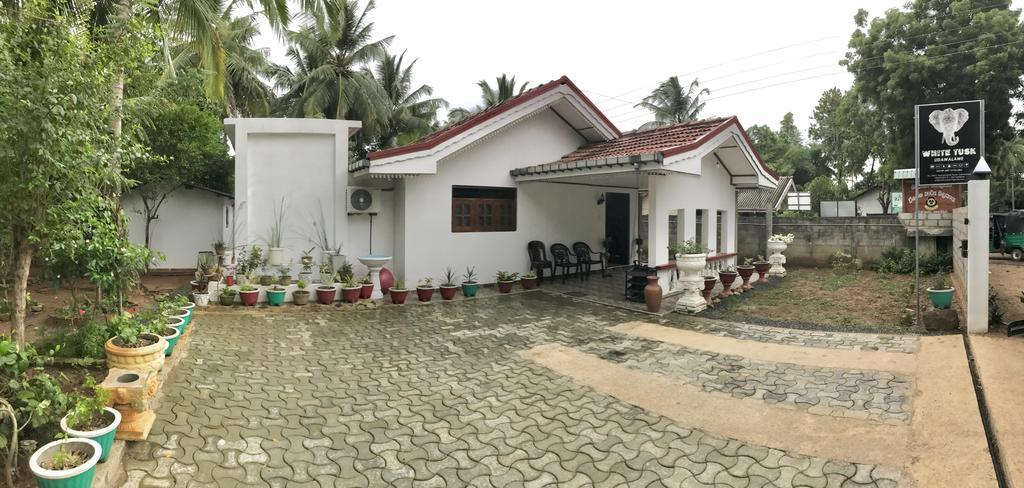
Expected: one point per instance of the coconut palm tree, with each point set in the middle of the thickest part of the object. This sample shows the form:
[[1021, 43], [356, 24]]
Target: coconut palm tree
[[671, 104], [504, 88], [327, 77], [1011, 165], [413, 112]]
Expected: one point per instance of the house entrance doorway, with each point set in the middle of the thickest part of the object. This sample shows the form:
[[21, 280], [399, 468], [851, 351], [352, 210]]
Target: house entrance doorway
[[616, 227]]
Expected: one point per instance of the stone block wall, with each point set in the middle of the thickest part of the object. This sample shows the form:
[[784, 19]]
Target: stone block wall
[[932, 223], [818, 238]]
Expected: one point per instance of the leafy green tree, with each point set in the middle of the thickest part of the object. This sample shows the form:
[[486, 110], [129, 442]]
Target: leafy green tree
[[56, 149], [1011, 167], [784, 150], [933, 51], [823, 188], [672, 104], [413, 112], [504, 88], [839, 129]]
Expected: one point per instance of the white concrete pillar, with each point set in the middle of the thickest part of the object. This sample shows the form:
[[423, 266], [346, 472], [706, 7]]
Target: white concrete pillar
[[657, 226], [688, 224], [977, 250], [728, 223], [711, 229]]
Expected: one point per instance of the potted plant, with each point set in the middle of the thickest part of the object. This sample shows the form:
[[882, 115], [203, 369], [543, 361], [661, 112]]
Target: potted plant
[[300, 296], [275, 295], [727, 276], [178, 314], [219, 247], [247, 267], [284, 275], [351, 289], [691, 258], [132, 347], [275, 251], [425, 290], [266, 279], [529, 280], [227, 296], [307, 266], [202, 299], [65, 463], [506, 280], [746, 270], [398, 292], [761, 265], [249, 295], [941, 293], [325, 293], [469, 284], [171, 334], [91, 418], [326, 273], [366, 290], [777, 245], [448, 286], [709, 286]]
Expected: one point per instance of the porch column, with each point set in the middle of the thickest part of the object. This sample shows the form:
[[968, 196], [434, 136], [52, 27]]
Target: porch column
[[710, 230], [728, 233], [687, 224], [657, 226]]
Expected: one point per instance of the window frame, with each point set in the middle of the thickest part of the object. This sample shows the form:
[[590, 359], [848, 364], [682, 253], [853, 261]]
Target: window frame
[[484, 209]]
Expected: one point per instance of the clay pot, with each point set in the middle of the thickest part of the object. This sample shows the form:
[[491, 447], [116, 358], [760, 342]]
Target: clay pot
[[325, 294], [398, 296], [424, 293], [249, 298], [146, 358], [652, 294], [351, 295], [727, 278], [762, 268], [505, 286], [300, 297], [709, 285], [745, 272], [387, 280], [448, 291], [528, 283], [366, 291], [266, 280], [284, 280]]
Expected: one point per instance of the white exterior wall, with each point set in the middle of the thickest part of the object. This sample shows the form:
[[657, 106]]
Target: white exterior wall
[[190, 221], [548, 212], [867, 203]]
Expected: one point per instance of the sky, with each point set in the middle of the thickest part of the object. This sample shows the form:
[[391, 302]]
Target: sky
[[759, 59]]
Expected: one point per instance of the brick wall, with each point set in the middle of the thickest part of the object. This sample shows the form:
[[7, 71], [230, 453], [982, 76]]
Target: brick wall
[[817, 238]]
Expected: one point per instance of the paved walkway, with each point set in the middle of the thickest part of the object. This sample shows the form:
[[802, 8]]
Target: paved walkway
[[537, 389]]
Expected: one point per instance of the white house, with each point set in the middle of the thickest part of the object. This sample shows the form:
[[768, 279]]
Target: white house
[[546, 165]]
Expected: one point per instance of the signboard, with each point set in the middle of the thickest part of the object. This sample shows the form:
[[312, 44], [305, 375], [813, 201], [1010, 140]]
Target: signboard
[[950, 141], [933, 198], [846, 208], [798, 201]]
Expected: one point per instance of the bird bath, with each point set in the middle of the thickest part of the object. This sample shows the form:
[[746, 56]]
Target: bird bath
[[374, 264]]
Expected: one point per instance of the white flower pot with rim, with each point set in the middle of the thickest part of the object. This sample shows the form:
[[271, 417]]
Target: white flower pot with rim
[[775, 250], [275, 256], [87, 447], [104, 436], [691, 277], [202, 299]]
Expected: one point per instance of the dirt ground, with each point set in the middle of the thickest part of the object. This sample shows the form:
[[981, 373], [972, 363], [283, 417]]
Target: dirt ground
[[1007, 278], [808, 296]]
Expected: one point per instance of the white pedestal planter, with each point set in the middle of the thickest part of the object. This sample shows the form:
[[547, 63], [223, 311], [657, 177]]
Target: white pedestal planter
[[374, 264], [775, 249], [275, 256], [691, 281]]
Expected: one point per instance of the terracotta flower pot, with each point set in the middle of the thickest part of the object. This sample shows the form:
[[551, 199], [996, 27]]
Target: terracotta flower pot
[[325, 294], [351, 295], [652, 294], [398, 296], [424, 293], [300, 297], [266, 280], [448, 291], [366, 291], [727, 278], [709, 285], [745, 272], [528, 283], [762, 268], [505, 286], [145, 358], [229, 280], [249, 298]]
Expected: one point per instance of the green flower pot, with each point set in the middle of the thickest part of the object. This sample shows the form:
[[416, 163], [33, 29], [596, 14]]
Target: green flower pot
[[469, 289], [275, 298], [179, 314], [190, 307], [104, 437], [172, 340], [177, 323], [942, 299], [77, 477]]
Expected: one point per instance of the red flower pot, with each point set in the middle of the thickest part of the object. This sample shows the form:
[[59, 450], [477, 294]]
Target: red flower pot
[[351, 295], [528, 283], [249, 298], [230, 280], [424, 294], [448, 292], [398, 296], [505, 286], [366, 291], [325, 295], [727, 278], [762, 268], [709, 285], [387, 280], [745, 272]]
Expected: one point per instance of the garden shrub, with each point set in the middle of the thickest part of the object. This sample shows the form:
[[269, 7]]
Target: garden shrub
[[37, 398], [898, 260], [843, 262]]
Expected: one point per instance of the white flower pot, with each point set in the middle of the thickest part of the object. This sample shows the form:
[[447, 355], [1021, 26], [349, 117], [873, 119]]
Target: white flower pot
[[691, 264], [775, 250], [87, 447], [202, 299], [275, 256]]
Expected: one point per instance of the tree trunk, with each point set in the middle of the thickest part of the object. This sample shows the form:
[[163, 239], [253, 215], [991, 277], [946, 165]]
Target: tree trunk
[[22, 263]]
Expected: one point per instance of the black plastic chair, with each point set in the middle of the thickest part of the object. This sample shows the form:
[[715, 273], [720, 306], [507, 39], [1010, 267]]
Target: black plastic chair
[[563, 259], [539, 259], [585, 258]]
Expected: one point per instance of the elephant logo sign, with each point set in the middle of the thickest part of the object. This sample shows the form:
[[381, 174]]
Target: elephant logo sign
[[947, 122]]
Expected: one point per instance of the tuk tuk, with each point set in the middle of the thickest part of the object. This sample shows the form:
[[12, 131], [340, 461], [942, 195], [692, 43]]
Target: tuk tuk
[[1006, 234]]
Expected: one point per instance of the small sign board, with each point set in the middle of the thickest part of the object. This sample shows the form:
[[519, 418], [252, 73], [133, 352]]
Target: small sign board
[[950, 141], [798, 201]]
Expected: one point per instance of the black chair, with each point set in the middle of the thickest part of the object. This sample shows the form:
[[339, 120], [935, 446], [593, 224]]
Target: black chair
[[585, 258], [539, 259], [563, 259]]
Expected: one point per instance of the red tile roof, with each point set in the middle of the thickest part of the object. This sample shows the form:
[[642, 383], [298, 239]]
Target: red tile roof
[[658, 139], [432, 140]]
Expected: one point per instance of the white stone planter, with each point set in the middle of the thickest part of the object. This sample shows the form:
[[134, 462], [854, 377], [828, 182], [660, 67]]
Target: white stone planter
[[775, 250], [691, 278], [275, 256]]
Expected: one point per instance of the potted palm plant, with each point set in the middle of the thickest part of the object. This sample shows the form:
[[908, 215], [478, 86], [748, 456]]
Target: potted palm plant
[[91, 418], [300, 296], [66, 463], [529, 280], [941, 293], [448, 286], [366, 287], [398, 292], [425, 290], [219, 247], [351, 289], [227, 296], [469, 284], [249, 295], [275, 295], [506, 280]]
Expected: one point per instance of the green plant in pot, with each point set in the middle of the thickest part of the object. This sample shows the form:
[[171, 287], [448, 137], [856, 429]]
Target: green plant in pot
[[66, 463], [284, 275], [505, 280], [227, 296], [448, 286], [941, 293], [301, 295], [133, 347], [761, 265], [275, 295], [746, 270], [219, 247], [91, 418], [469, 283], [425, 290], [366, 287], [726, 276], [249, 295], [529, 280], [398, 292], [351, 289], [266, 279]]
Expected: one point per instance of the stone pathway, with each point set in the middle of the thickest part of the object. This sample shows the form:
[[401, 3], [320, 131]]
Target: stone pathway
[[437, 395]]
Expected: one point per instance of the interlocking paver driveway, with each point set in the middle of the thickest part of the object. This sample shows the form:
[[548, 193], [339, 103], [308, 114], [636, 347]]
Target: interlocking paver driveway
[[433, 395]]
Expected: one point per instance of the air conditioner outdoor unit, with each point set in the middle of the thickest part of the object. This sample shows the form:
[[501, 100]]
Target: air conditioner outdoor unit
[[362, 200]]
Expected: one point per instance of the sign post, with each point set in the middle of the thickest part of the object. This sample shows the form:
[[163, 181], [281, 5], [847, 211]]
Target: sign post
[[949, 141]]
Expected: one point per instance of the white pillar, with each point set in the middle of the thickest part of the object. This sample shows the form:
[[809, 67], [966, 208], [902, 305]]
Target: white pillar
[[711, 229], [657, 227], [977, 250], [688, 224]]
